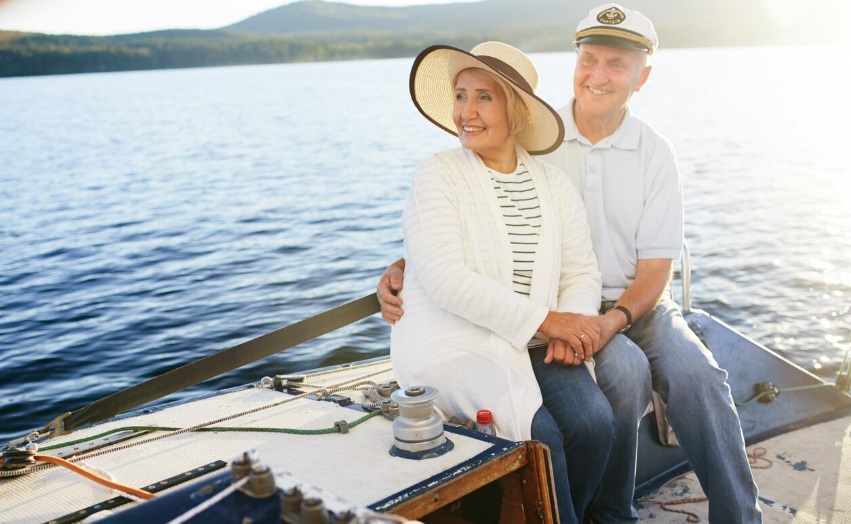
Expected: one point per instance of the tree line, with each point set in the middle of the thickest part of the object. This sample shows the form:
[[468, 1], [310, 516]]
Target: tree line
[[30, 54], [23, 54]]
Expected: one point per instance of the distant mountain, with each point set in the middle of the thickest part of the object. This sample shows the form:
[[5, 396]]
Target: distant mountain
[[314, 30], [679, 23], [310, 16]]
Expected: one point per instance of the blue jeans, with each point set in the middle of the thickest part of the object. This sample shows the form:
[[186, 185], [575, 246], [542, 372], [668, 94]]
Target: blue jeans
[[700, 409], [577, 424], [623, 374]]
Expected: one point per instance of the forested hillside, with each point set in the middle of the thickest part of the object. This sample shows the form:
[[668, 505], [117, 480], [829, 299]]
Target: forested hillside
[[313, 30]]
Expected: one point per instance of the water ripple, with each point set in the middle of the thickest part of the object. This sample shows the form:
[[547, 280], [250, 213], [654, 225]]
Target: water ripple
[[141, 231]]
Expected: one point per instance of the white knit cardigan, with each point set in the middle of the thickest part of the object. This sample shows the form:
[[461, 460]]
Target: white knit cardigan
[[465, 330]]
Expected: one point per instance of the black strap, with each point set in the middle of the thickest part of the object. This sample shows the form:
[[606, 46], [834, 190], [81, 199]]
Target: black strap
[[216, 364]]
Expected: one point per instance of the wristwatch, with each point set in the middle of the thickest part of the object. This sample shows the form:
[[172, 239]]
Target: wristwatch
[[628, 315]]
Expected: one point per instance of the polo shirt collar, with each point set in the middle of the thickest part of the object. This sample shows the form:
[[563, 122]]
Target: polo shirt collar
[[626, 136]]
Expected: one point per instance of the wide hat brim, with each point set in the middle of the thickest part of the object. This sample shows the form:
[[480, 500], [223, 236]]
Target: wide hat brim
[[433, 93]]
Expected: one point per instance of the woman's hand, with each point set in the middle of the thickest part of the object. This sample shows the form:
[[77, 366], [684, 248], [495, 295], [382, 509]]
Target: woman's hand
[[573, 337], [388, 289], [559, 351]]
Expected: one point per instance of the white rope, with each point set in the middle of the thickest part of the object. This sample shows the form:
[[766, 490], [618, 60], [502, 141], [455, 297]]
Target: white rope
[[209, 502], [379, 518], [340, 386], [348, 384]]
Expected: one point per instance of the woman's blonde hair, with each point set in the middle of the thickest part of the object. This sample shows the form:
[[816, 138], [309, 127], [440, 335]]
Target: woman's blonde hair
[[518, 114]]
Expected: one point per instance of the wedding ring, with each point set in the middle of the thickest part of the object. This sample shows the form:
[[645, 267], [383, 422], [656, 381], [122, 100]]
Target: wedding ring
[[583, 336]]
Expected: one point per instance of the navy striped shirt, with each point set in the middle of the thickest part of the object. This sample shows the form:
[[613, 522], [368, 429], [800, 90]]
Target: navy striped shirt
[[521, 211]]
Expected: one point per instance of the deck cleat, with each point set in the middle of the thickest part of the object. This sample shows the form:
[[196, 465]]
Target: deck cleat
[[241, 466], [767, 391], [19, 457], [389, 409], [313, 511], [291, 503], [261, 482], [386, 389]]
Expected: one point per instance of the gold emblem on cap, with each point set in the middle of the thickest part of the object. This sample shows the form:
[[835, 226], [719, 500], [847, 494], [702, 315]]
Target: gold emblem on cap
[[611, 16]]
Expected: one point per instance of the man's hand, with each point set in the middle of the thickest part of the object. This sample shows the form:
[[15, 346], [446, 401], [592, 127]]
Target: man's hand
[[388, 288], [652, 276], [610, 325]]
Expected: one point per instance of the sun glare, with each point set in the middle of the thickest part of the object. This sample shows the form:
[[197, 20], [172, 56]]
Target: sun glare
[[785, 12], [827, 15]]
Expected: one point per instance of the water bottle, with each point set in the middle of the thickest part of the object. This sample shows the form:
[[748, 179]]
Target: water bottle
[[484, 422]]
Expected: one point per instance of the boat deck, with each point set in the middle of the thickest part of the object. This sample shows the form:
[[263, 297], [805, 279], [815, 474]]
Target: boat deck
[[802, 476], [293, 434], [800, 444]]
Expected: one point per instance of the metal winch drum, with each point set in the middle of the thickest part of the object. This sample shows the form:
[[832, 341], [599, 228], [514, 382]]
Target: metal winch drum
[[418, 430]]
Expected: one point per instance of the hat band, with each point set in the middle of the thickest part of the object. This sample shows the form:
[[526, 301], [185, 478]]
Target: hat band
[[507, 71], [620, 33]]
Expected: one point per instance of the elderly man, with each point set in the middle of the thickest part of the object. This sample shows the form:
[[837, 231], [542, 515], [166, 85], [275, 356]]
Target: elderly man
[[627, 175]]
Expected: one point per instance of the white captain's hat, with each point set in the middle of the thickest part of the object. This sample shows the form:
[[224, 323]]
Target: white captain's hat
[[614, 26]]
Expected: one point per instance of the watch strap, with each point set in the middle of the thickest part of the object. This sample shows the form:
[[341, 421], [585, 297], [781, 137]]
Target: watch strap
[[625, 312], [628, 316]]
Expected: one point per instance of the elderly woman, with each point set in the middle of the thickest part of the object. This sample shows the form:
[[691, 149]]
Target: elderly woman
[[498, 258]]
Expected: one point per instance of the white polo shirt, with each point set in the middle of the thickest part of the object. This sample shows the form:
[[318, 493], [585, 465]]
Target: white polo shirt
[[631, 187]]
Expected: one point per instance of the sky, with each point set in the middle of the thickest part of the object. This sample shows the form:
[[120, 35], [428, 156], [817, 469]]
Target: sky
[[110, 17]]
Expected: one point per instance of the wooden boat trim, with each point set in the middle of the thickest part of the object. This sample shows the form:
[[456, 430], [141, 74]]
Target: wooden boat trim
[[524, 472]]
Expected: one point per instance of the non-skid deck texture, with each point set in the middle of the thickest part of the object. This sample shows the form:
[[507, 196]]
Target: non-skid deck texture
[[803, 476], [356, 466]]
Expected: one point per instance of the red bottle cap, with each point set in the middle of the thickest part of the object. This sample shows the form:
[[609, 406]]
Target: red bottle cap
[[484, 417]]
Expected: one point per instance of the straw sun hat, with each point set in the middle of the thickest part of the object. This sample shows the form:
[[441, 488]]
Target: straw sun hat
[[433, 92]]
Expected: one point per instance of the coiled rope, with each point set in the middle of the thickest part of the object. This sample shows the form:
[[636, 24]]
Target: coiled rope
[[756, 459]]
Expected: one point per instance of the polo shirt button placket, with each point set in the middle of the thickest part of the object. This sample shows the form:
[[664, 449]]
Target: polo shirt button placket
[[593, 180]]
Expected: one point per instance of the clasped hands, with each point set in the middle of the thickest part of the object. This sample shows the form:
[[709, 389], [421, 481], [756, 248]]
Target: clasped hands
[[574, 338]]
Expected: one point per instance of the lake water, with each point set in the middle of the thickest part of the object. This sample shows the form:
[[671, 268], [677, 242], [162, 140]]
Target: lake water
[[148, 219]]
